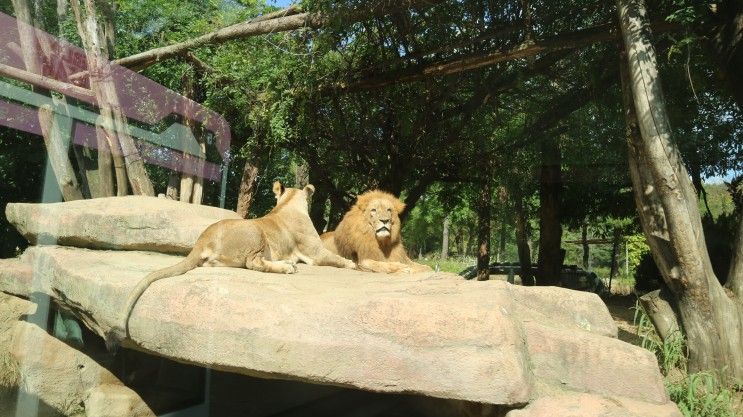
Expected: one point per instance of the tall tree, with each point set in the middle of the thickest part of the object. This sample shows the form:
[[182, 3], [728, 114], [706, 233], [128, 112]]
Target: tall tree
[[98, 43], [712, 318], [445, 237], [523, 244], [550, 231]]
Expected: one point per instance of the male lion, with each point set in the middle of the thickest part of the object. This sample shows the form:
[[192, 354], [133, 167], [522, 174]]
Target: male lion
[[272, 243], [370, 235]]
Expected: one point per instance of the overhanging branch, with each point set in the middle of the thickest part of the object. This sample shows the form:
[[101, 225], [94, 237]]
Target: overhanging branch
[[566, 41], [280, 21]]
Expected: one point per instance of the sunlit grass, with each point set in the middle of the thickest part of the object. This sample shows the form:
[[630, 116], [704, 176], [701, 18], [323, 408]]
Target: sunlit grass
[[454, 265], [701, 394]]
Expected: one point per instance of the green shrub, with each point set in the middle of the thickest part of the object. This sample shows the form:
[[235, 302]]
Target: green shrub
[[671, 353], [454, 264], [700, 394]]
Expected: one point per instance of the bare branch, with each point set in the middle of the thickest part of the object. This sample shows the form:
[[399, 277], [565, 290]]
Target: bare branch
[[46, 82], [241, 30]]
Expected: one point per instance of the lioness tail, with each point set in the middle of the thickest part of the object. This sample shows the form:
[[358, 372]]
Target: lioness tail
[[120, 332]]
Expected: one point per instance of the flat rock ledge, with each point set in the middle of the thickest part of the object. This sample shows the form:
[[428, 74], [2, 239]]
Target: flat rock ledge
[[128, 223], [430, 334]]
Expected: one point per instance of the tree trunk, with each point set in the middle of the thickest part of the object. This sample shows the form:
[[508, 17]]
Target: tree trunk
[[483, 229], [301, 175], [614, 252], [320, 197], [657, 305], [171, 192], [317, 208], [87, 157], [667, 206], [247, 188], [586, 247], [83, 171], [414, 195], [96, 43], [522, 240], [110, 163], [191, 186], [735, 276], [56, 130], [503, 204], [502, 240], [186, 188], [197, 196], [89, 181], [550, 231], [445, 238]]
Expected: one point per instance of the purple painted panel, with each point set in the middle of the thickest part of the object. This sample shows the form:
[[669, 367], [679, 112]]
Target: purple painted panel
[[141, 100]]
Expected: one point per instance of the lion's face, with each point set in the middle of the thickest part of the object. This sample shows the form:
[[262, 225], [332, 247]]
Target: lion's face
[[382, 218]]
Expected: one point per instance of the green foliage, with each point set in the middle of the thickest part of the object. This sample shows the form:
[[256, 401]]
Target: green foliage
[[637, 247], [701, 394], [22, 164], [287, 99], [718, 199], [454, 264], [688, 12], [423, 229], [719, 225], [671, 353]]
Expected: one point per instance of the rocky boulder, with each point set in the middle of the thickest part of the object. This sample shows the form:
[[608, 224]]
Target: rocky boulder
[[431, 334], [480, 348], [69, 381], [130, 223], [587, 405]]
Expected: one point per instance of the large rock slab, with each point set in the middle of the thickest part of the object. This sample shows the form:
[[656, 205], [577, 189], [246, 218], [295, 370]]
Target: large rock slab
[[586, 405], [68, 380], [130, 223], [430, 334], [12, 309]]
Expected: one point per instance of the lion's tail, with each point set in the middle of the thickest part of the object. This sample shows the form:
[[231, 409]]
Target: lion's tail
[[119, 332]]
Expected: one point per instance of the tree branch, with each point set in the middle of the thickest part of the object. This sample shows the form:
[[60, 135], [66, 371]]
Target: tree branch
[[71, 90], [572, 40], [281, 21]]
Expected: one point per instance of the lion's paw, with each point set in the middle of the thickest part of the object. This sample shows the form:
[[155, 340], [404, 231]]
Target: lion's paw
[[291, 267]]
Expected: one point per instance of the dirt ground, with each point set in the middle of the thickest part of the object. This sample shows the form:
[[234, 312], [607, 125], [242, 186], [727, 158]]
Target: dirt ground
[[622, 309]]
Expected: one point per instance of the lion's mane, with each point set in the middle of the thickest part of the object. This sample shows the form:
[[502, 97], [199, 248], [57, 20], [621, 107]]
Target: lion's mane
[[355, 239]]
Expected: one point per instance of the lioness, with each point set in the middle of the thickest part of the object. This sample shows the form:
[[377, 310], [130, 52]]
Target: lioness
[[272, 243], [370, 235]]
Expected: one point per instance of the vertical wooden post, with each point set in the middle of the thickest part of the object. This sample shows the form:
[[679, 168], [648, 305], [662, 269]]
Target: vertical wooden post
[[56, 138]]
